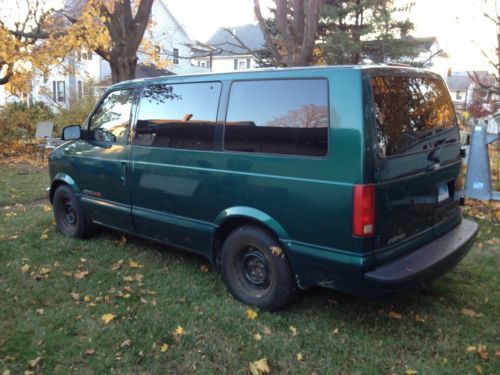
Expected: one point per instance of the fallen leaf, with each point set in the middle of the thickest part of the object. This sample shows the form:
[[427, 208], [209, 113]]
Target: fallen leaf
[[88, 352], [139, 277], [163, 347], [267, 330], [470, 349], [276, 251], [25, 268], [471, 313], [153, 301], [46, 208], [259, 367], [293, 330], [57, 264], [116, 266], [300, 357], [257, 337], [419, 319], [482, 352], [336, 331], [107, 318], [44, 271], [75, 296], [144, 300], [251, 314], [204, 268], [14, 237], [479, 369], [411, 371], [67, 273], [87, 298], [125, 343], [179, 331], [34, 362], [394, 315], [122, 241], [79, 275], [40, 311], [128, 278], [134, 264], [44, 236], [497, 353]]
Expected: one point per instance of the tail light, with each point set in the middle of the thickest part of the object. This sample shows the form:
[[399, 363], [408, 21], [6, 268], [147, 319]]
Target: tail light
[[363, 210]]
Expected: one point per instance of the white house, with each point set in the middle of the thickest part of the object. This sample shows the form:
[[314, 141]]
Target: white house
[[229, 49], [86, 73], [463, 88]]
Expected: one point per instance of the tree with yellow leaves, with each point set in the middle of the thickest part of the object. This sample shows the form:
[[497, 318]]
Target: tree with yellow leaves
[[114, 29]]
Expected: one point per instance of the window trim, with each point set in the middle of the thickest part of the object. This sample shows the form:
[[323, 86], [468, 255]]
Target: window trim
[[215, 140], [266, 154], [86, 124]]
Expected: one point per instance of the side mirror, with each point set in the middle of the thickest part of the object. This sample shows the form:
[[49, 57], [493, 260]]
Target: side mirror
[[71, 132]]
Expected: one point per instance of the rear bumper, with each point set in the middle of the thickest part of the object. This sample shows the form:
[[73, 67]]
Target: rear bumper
[[415, 270]]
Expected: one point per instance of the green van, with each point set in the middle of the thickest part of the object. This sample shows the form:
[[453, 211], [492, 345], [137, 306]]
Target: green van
[[344, 177]]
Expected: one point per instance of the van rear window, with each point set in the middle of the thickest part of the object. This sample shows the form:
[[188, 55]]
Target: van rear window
[[409, 110], [278, 117]]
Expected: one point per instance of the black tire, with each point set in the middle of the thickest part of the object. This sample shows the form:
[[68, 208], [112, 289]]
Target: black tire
[[69, 214], [256, 270]]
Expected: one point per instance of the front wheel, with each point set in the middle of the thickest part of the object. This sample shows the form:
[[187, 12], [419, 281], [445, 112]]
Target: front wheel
[[69, 214], [256, 270]]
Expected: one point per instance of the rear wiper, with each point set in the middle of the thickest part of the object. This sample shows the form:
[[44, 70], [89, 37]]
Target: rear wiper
[[436, 152]]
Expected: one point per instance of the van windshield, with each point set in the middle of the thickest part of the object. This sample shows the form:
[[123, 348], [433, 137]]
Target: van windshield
[[409, 111]]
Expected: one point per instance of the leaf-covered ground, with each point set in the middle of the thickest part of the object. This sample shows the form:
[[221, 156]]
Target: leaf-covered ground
[[113, 304]]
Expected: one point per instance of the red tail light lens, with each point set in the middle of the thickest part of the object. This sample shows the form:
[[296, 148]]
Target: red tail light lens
[[363, 210]]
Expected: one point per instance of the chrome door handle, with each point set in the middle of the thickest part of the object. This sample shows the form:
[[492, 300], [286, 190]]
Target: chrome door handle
[[124, 173]]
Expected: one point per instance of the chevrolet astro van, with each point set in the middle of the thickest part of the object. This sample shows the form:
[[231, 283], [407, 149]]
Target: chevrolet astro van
[[344, 177]]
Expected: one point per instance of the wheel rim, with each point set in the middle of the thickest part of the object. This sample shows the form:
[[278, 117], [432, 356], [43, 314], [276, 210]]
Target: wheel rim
[[67, 213], [253, 268]]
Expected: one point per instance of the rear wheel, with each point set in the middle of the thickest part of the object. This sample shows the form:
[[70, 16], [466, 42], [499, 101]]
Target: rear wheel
[[256, 270], [68, 213]]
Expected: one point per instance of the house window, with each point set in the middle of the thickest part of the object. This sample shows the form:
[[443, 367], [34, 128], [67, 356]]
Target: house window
[[242, 65], [58, 91], [459, 95], [176, 56]]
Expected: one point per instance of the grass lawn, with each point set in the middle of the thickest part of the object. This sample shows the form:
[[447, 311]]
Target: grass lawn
[[55, 292]]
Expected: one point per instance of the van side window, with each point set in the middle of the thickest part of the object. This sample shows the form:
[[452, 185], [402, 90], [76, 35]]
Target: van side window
[[278, 117], [110, 121], [178, 116]]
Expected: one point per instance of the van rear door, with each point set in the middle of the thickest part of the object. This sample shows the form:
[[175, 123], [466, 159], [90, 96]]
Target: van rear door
[[418, 158]]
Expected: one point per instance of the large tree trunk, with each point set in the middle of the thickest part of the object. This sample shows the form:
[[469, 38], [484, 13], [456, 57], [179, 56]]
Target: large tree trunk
[[293, 42], [126, 33]]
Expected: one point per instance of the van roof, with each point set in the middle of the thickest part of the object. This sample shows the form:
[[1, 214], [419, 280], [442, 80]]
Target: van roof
[[396, 68]]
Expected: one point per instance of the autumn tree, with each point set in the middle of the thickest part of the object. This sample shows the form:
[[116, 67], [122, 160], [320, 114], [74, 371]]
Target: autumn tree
[[291, 36], [114, 29]]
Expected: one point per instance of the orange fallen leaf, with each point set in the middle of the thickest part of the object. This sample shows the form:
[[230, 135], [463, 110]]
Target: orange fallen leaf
[[87, 298]]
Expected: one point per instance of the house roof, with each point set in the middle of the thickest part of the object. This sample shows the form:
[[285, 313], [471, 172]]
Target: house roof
[[462, 80], [458, 81], [238, 40]]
